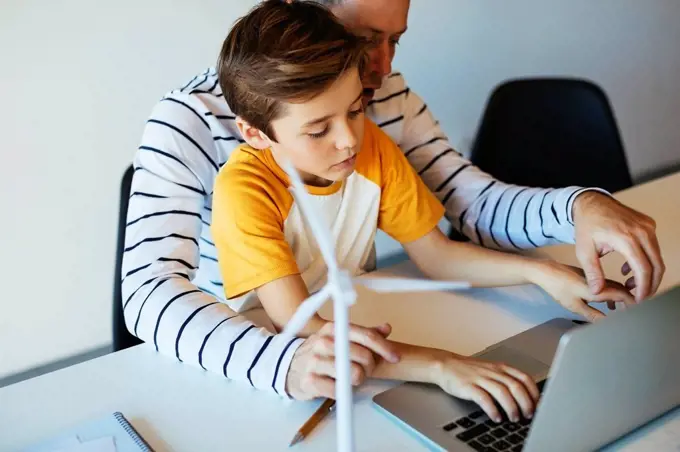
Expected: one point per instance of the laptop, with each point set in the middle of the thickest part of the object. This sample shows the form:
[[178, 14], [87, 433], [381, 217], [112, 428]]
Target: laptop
[[598, 382]]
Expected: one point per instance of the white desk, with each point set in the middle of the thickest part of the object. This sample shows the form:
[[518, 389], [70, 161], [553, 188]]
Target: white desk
[[181, 408]]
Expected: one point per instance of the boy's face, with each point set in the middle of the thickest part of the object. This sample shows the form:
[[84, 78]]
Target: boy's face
[[322, 136]]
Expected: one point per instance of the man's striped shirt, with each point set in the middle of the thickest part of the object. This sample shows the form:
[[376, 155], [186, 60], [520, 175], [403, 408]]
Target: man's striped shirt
[[172, 288]]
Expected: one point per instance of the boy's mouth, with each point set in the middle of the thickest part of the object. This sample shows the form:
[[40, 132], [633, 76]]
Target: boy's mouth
[[347, 163]]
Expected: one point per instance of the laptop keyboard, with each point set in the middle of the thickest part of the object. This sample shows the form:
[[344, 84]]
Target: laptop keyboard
[[484, 435]]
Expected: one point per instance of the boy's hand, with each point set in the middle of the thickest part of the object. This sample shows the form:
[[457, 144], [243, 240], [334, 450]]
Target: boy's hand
[[312, 371], [484, 382], [568, 286]]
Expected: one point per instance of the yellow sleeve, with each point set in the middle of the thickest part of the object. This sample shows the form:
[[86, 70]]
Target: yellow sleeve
[[408, 209], [247, 226]]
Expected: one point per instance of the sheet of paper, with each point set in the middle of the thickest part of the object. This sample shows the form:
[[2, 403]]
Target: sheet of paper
[[57, 446], [106, 444]]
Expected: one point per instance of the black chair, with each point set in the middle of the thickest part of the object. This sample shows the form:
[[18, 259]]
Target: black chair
[[122, 338], [551, 132]]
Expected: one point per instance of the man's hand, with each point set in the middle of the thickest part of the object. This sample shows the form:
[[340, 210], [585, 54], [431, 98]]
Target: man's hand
[[604, 225], [312, 371]]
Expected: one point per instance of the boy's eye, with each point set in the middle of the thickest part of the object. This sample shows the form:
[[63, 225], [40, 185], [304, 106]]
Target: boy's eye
[[318, 134], [394, 41]]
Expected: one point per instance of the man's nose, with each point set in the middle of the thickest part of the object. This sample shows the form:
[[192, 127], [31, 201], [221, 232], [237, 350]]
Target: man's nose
[[381, 59]]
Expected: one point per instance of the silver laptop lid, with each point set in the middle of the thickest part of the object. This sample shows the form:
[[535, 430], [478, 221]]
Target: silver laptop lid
[[611, 377]]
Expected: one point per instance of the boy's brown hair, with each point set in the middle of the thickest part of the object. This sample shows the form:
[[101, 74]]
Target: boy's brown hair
[[283, 52]]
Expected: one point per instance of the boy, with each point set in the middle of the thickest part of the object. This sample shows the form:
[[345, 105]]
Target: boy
[[291, 74]]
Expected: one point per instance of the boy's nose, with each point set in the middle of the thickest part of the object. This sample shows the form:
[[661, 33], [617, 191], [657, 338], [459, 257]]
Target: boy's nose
[[347, 139]]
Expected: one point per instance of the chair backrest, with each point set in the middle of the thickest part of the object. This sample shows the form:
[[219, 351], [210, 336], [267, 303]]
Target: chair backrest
[[551, 133], [122, 338]]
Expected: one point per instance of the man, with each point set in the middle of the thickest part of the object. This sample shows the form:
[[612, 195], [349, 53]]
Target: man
[[172, 286]]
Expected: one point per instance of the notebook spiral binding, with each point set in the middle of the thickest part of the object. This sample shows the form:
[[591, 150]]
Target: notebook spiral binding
[[129, 429]]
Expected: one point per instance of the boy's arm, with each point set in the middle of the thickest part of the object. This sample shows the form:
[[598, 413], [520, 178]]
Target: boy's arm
[[441, 258], [282, 297], [467, 378], [482, 382], [249, 212], [438, 257]]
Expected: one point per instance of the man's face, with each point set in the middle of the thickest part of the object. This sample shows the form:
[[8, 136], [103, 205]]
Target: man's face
[[322, 137], [383, 22]]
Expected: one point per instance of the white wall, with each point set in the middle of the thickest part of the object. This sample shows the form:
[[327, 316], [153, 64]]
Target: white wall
[[629, 47], [78, 79]]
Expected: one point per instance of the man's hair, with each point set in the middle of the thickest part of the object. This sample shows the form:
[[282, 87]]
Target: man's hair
[[283, 52]]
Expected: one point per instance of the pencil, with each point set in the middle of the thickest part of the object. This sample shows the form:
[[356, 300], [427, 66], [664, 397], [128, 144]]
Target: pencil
[[314, 420]]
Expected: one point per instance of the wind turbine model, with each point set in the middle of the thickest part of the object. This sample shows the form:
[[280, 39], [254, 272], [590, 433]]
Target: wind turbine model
[[340, 287]]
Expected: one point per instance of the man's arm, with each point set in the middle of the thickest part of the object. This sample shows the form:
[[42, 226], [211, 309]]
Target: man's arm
[[409, 213], [604, 225], [175, 168], [484, 209], [500, 215]]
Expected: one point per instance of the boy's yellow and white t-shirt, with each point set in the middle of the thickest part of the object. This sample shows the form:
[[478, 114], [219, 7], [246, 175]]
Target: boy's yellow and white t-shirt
[[261, 235]]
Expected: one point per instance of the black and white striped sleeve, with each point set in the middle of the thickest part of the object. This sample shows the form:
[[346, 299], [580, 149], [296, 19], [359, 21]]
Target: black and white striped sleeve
[[484, 209], [174, 171]]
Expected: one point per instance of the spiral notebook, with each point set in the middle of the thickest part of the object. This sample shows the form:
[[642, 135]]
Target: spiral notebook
[[112, 433]]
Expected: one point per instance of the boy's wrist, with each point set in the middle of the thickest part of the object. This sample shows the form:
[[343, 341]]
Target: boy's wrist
[[541, 270], [535, 270], [440, 362], [313, 326]]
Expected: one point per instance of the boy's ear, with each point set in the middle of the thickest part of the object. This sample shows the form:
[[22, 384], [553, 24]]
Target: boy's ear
[[253, 136]]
